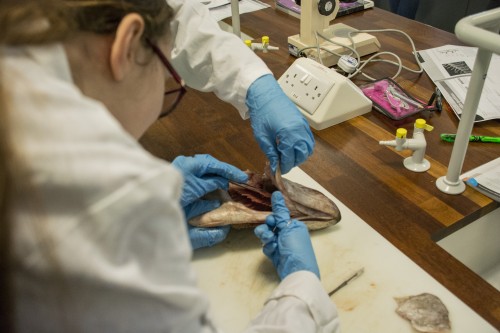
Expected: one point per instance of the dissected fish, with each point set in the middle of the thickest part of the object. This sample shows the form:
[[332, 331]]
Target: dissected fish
[[246, 205], [426, 313]]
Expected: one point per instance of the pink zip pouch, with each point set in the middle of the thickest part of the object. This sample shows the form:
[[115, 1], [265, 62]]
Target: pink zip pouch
[[393, 101]]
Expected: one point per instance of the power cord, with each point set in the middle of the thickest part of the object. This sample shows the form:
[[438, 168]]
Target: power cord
[[354, 54]]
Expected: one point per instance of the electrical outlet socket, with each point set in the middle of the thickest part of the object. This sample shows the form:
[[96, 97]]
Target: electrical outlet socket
[[307, 83], [324, 97]]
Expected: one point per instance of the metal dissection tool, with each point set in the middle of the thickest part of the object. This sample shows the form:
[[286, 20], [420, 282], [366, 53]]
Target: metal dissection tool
[[346, 281]]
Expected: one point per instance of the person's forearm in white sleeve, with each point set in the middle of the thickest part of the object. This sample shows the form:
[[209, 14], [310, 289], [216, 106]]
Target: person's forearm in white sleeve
[[210, 59], [298, 305]]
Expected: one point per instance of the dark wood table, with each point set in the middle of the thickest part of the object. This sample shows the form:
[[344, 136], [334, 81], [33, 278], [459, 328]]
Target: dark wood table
[[405, 207]]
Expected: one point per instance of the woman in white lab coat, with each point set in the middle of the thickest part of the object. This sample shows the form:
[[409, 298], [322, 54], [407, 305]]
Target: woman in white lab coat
[[93, 236]]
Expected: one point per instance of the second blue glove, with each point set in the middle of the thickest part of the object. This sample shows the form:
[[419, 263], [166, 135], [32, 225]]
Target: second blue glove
[[204, 237], [286, 242], [280, 129], [204, 174]]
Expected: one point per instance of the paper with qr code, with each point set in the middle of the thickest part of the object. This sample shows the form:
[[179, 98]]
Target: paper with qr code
[[450, 67]]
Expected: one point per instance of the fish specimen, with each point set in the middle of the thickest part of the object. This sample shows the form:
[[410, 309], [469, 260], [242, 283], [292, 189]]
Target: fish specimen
[[425, 312], [247, 205]]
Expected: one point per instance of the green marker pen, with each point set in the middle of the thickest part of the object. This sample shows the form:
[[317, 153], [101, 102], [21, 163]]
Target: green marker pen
[[472, 138]]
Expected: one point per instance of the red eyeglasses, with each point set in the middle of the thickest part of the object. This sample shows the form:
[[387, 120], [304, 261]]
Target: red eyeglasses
[[172, 95]]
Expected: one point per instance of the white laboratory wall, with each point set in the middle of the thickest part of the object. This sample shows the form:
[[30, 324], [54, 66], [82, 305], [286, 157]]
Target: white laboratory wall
[[477, 246]]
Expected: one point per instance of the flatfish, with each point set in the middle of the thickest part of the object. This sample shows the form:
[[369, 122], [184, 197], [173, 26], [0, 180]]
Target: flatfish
[[247, 205], [425, 312]]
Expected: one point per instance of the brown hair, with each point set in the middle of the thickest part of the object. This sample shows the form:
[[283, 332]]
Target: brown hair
[[68, 16], [6, 177], [24, 22]]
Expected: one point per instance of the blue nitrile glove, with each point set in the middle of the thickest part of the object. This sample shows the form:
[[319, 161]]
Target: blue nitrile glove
[[204, 237], [282, 132], [204, 174], [286, 242]]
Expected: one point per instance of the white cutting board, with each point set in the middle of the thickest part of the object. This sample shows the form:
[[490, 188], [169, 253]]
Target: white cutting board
[[238, 278]]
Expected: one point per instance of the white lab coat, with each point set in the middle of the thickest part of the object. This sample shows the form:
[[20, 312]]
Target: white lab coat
[[209, 59], [100, 241]]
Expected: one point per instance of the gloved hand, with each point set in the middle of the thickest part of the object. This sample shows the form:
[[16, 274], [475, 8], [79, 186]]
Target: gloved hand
[[281, 131], [204, 174], [286, 242], [204, 237]]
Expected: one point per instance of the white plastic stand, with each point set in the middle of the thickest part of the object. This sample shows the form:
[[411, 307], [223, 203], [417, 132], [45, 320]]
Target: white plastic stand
[[479, 30], [416, 166], [311, 21], [235, 13]]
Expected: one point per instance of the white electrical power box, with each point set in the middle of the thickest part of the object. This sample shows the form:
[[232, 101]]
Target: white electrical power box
[[324, 97]]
